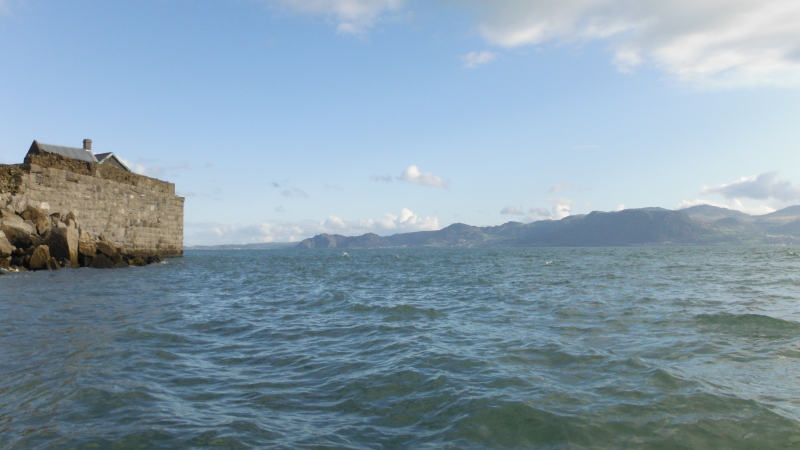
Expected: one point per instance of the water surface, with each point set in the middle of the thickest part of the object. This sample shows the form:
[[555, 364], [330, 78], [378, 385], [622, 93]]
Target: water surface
[[427, 348]]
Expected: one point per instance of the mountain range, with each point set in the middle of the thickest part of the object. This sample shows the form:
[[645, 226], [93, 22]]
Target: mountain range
[[697, 225]]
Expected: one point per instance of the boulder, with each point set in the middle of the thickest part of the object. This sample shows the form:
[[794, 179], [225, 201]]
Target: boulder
[[18, 203], [67, 264], [121, 264], [36, 240], [63, 243], [5, 247], [5, 264], [6, 212], [40, 258], [53, 264], [38, 217], [138, 261], [86, 245], [101, 262], [106, 247], [17, 231]]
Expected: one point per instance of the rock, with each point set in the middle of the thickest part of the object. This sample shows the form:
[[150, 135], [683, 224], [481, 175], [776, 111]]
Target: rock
[[106, 247], [63, 243], [138, 261], [36, 240], [18, 203], [55, 219], [39, 218], [40, 258], [53, 264], [22, 251], [71, 223], [121, 264], [5, 264], [101, 262], [153, 259], [86, 245], [71, 216], [6, 212], [17, 231], [5, 247], [67, 264]]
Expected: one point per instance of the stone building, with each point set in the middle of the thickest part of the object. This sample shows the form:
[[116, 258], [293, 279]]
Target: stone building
[[141, 214]]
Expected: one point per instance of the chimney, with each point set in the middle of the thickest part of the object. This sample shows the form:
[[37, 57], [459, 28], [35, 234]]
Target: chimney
[[87, 144]]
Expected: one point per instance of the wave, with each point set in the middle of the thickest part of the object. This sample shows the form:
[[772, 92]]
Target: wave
[[753, 325]]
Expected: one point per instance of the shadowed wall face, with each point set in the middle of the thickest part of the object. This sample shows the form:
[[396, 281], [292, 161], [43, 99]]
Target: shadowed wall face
[[142, 215]]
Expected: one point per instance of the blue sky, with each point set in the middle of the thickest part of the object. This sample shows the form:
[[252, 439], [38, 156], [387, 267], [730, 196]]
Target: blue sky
[[282, 119]]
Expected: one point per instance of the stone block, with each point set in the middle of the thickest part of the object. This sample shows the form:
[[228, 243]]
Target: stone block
[[40, 258], [63, 243], [5, 246]]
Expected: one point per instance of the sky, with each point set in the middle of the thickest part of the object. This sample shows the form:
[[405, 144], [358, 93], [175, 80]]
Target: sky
[[281, 119]]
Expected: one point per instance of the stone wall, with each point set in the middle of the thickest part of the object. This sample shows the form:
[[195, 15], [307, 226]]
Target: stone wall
[[141, 214]]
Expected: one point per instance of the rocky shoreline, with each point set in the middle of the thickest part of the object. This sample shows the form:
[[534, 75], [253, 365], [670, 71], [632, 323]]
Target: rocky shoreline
[[32, 239]]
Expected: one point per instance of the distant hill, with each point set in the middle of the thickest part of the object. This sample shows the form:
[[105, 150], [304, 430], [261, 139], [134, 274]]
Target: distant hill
[[698, 225], [261, 246]]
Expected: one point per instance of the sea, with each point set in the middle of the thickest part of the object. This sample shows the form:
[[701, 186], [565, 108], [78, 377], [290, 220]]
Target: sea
[[432, 348]]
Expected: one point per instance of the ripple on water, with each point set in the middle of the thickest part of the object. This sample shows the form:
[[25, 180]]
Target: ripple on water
[[426, 348]]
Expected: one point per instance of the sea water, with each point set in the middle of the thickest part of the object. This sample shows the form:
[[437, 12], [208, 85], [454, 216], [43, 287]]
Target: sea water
[[599, 348]]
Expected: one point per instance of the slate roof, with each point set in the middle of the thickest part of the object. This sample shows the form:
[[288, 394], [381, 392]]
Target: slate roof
[[102, 158], [70, 152]]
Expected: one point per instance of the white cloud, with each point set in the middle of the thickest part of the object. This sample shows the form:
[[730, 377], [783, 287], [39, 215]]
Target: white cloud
[[151, 168], [620, 207], [413, 175], [757, 194], [512, 211], [294, 193], [475, 59], [560, 210], [385, 178], [558, 188], [217, 234], [764, 186], [289, 192], [710, 42], [735, 205], [352, 16]]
